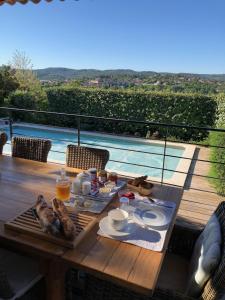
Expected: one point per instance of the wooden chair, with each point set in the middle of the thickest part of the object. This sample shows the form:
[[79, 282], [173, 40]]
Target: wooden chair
[[32, 149], [19, 277], [3, 140], [171, 283], [85, 158]]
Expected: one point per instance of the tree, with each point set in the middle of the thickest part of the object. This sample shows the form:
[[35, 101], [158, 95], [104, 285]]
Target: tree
[[24, 73], [8, 82]]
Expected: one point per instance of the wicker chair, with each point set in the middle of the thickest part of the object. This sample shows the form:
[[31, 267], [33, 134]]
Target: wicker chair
[[19, 277], [181, 247], [3, 140], [85, 158], [32, 149]]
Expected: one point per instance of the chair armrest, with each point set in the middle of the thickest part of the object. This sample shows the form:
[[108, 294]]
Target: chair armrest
[[161, 294], [183, 240]]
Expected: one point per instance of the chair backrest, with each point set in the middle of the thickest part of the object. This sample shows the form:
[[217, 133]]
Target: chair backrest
[[32, 149], [85, 158], [3, 140], [216, 283]]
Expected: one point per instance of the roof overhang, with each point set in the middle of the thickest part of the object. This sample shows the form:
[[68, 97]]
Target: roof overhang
[[11, 2]]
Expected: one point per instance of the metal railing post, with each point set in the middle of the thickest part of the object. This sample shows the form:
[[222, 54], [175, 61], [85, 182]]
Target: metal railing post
[[78, 131], [10, 128], [164, 157]]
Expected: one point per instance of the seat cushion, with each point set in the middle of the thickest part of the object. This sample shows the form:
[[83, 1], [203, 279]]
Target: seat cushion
[[22, 272], [205, 257], [174, 273]]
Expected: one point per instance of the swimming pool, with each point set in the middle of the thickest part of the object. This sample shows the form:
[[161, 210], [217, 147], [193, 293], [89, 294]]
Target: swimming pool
[[120, 160]]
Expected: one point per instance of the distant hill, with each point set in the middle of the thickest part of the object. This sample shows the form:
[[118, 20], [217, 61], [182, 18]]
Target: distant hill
[[66, 74]]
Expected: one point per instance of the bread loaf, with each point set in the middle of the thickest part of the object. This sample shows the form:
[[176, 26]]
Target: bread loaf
[[46, 216], [68, 227]]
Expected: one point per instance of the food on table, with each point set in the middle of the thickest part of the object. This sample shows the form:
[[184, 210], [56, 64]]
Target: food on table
[[129, 195], [141, 182], [140, 185], [63, 187], [102, 176], [105, 190], [68, 227], [87, 203], [48, 220], [146, 185], [94, 185], [138, 180], [113, 177], [76, 202]]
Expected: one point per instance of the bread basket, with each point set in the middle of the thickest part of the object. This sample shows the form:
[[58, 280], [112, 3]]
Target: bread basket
[[141, 190]]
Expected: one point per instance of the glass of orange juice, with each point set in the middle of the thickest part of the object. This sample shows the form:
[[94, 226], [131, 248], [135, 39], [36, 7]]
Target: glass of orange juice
[[63, 187]]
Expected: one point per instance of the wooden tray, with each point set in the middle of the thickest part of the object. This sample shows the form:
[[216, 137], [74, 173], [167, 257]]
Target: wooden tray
[[26, 223]]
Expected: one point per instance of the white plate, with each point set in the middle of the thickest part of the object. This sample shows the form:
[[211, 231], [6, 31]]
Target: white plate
[[153, 216], [106, 228]]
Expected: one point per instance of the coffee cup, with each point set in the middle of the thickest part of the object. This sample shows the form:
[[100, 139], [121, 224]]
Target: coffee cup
[[118, 218]]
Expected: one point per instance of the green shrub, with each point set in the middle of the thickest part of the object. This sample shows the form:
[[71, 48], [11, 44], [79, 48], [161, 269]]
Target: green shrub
[[218, 154], [29, 100], [161, 107], [220, 114], [191, 109]]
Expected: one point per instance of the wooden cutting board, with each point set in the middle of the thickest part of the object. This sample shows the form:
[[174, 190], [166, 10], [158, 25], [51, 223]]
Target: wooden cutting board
[[28, 224]]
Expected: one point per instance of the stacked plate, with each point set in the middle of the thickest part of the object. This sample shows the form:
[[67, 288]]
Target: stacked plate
[[153, 216]]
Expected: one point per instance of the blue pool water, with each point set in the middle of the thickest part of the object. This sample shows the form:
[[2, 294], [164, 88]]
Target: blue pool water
[[61, 139]]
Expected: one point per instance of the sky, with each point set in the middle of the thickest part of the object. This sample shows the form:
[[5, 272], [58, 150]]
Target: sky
[[158, 35]]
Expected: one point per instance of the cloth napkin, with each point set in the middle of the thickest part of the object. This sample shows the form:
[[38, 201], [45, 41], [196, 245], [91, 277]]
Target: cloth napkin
[[146, 237]]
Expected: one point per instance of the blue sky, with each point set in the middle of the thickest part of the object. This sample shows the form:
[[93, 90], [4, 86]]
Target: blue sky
[[159, 35]]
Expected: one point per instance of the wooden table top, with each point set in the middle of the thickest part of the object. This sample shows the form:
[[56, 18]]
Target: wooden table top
[[21, 181]]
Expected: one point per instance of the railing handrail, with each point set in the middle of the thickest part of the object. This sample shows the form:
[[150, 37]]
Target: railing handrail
[[113, 119]]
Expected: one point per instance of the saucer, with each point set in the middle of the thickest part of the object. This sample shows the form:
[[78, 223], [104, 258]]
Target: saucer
[[153, 216], [106, 228]]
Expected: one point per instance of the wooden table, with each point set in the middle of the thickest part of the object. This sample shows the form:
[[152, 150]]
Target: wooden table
[[21, 181]]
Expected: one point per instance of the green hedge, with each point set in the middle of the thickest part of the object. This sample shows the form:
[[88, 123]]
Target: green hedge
[[173, 108], [218, 154], [190, 109], [28, 100]]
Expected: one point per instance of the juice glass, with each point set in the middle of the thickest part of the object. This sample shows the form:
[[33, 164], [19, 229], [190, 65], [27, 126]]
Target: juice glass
[[62, 187]]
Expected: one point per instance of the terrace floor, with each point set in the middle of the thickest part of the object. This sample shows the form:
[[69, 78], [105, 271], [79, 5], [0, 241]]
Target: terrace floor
[[199, 198]]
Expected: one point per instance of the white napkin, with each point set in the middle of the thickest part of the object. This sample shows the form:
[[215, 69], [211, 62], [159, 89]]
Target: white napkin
[[145, 237]]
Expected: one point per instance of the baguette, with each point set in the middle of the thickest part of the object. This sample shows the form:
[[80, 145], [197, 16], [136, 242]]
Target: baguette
[[68, 227], [46, 216]]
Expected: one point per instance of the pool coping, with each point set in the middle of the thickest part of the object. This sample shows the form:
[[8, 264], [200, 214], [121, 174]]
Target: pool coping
[[176, 179]]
